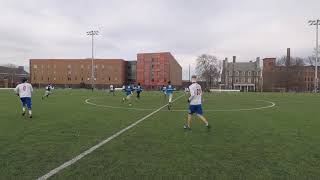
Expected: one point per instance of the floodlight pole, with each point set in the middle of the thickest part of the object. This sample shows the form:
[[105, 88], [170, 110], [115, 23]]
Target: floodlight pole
[[92, 33], [316, 81]]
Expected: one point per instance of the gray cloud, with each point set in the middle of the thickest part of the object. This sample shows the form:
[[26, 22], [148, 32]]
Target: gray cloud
[[245, 28]]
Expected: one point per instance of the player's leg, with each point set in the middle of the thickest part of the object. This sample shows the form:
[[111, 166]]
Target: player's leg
[[199, 113], [170, 101], [29, 105], [189, 118], [128, 98], [23, 103]]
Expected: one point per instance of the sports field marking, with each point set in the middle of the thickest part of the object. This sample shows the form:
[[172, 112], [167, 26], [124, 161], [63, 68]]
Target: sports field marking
[[93, 148], [272, 104]]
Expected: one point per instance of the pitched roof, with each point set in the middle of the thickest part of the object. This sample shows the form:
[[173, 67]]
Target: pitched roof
[[243, 66]]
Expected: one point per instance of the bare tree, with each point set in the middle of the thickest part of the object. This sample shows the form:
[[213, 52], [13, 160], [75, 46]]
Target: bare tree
[[209, 69], [294, 61]]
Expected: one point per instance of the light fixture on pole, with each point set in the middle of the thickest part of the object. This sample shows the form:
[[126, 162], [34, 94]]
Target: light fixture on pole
[[316, 23], [92, 33]]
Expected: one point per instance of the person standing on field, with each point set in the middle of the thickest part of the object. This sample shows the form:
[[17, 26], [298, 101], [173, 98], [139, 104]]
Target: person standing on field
[[195, 104], [24, 91]]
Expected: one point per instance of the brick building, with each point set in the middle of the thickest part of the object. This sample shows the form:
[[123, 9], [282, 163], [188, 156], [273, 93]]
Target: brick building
[[287, 78], [156, 69], [244, 76], [11, 76], [77, 72]]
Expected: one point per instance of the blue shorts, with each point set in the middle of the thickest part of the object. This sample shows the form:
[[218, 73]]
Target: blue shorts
[[26, 101], [195, 109]]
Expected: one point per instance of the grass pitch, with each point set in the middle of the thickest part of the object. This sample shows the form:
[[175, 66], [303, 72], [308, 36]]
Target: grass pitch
[[281, 142]]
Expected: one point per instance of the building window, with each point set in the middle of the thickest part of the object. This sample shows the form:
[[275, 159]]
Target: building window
[[69, 66], [35, 66]]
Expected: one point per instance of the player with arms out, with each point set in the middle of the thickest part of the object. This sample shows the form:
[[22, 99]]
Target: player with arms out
[[24, 91], [129, 91], [49, 89], [195, 104], [169, 93]]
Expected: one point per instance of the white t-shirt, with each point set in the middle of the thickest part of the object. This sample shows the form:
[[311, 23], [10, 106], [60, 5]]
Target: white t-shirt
[[24, 90], [196, 94], [111, 87]]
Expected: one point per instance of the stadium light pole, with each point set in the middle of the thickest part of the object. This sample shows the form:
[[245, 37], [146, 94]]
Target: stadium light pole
[[92, 33], [316, 23]]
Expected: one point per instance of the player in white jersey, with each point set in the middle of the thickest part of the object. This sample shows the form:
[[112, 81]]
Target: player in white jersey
[[195, 104], [112, 90], [24, 91]]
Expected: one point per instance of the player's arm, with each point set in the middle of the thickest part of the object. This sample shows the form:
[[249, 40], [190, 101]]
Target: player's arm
[[31, 89], [16, 90], [192, 94]]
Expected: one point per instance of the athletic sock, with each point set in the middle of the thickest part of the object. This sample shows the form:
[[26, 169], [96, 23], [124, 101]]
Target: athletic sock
[[30, 113], [207, 124], [23, 109]]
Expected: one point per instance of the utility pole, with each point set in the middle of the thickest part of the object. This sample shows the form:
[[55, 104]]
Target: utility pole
[[316, 23], [92, 33]]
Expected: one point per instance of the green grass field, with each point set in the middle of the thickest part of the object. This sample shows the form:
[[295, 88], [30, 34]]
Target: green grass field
[[280, 142]]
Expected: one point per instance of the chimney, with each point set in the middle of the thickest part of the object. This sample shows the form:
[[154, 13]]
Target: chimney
[[225, 62], [258, 62], [234, 59], [288, 57]]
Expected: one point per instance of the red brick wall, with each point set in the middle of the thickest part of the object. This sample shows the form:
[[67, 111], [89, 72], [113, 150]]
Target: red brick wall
[[156, 69]]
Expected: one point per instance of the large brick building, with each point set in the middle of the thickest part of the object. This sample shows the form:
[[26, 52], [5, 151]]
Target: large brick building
[[77, 72], [287, 78], [244, 76], [156, 69], [151, 70]]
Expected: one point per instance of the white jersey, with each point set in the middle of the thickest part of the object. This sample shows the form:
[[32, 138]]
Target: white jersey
[[24, 90], [196, 94], [111, 87]]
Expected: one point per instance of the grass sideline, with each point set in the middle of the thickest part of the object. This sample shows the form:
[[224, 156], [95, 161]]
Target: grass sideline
[[282, 142]]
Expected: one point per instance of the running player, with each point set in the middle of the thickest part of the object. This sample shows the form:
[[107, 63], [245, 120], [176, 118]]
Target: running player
[[24, 91], [129, 91], [112, 90], [194, 101], [138, 90], [48, 91], [169, 93], [163, 90]]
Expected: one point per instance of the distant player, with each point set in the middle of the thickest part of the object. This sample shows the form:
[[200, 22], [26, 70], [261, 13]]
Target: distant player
[[138, 90], [195, 104], [169, 93], [129, 91], [48, 91], [24, 91], [163, 90], [112, 89]]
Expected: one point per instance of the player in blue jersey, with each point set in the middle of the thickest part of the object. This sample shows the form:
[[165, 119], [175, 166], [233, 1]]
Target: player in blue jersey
[[169, 93], [138, 90], [128, 91]]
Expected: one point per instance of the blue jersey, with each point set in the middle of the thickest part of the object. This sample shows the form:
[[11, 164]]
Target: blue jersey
[[169, 89], [128, 90]]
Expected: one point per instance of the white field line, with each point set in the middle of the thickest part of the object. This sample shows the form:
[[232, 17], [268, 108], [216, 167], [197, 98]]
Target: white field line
[[272, 104], [93, 148]]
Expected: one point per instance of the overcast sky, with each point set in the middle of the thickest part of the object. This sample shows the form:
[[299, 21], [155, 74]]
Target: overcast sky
[[186, 28]]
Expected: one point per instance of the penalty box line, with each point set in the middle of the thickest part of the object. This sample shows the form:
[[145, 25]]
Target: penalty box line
[[93, 148]]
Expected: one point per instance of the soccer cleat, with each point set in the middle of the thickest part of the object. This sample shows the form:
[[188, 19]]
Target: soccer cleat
[[23, 113], [186, 127], [30, 116]]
